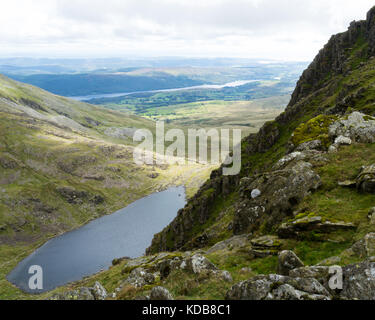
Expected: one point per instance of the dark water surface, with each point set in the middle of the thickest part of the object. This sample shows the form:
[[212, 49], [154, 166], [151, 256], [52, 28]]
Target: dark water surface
[[87, 250]]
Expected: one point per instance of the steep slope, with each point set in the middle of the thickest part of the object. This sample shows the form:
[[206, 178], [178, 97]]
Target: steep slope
[[339, 80]]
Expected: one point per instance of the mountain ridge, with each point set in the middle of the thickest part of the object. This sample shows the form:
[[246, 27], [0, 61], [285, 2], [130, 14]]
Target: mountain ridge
[[326, 87]]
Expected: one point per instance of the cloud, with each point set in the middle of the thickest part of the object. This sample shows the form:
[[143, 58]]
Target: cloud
[[279, 29]]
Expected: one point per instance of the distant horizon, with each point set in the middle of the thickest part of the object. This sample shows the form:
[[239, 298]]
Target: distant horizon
[[141, 57]]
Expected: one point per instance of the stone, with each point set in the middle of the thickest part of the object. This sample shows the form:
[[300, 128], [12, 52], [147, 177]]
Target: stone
[[365, 248], [255, 193], [310, 145], [139, 277], [168, 265], [366, 179], [223, 275], [82, 294], [265, 246], [297, 227], [266, 242], [268, 288], [343, 141], [99, 291], [161, 294], [282, 190], [289, 158], [348, 184], [359, 281], [358, 127], [198, 264], [287, 262], [288, 293], [332, 149], [235, 242]]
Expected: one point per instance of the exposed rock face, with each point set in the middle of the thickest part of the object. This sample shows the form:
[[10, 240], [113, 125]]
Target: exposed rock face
[[139, 277], [333, 58], [310, 145], [358, 127], [265, 246], [99, 291], [198, 264], [84, 293], [288, 261], [232, 243], [281, 191], [277, 287], [366, 179], [366, 247], [359, 281], [343, 141], [296, 228], [161, 294]]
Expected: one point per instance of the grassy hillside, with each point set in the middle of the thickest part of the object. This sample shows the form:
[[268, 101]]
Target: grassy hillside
[[62, 164]]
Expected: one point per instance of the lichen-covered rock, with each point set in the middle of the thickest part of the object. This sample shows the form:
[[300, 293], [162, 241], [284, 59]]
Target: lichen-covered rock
[[161, 294], [298, 156], [265, 246], [289, 293], [83, 293], [288, 261], [268, 288], [168, 265], [365, 248], [359, 281], [298, 227], [320, 273], [310, 145], [231, 243], [358, 127], [343, 141], [366, 179], [99, 291], [281, 191], [197, 264], [139, 277]]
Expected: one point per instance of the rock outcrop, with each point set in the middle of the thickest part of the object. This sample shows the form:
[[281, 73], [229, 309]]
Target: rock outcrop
[[278, 287], [281, 191], [288, 261], [160, 294], [299, 227]]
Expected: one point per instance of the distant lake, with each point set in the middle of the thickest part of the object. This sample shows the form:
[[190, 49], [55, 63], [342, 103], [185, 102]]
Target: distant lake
[[91, 248], [205, 86]]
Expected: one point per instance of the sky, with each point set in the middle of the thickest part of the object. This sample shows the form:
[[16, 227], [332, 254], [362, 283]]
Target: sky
[[261, 29]]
